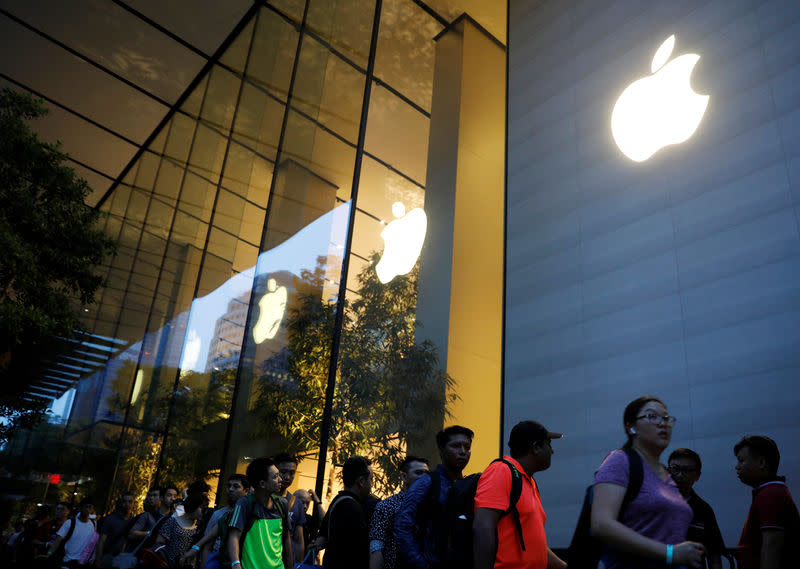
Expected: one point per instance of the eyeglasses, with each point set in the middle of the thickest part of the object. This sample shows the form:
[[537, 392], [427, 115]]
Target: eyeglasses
[[681, 469], [658, 419]]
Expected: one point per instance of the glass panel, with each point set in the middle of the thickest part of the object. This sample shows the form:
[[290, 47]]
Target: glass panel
[[397, 134], [220, 100], [281, 391], [391, 389], [346, 24], [328, 90], [273, 52], [406, 50], [258, 122]]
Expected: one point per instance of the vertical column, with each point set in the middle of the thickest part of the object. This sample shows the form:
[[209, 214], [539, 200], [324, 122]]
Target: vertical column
[[460, 298]]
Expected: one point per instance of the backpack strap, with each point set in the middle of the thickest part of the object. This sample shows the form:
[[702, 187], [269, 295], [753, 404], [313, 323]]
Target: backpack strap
[[514, 496], [635, 478]]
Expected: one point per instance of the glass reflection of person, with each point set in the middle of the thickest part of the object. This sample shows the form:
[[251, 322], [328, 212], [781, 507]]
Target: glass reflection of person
[[652, 529]]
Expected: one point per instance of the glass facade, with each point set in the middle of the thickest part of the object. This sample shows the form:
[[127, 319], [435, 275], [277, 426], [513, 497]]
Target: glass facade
[[246, 312]]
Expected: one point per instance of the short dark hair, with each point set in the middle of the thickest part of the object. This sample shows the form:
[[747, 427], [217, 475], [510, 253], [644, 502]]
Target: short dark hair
[[353, 468], [632, 412], [443, 437], [258, 469], [155, 489], [686, 453], [121, 496], [406, 464], [282, 457], [169, 486], [198, 487], [761, 446], [241, 478], [67, 505], [194, 501]]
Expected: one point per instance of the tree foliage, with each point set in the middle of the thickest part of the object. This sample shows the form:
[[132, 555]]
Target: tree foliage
[[50, 246], [391, 393]]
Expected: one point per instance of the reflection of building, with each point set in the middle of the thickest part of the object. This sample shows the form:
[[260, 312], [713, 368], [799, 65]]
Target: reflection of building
[[590, 281], [226, 344]]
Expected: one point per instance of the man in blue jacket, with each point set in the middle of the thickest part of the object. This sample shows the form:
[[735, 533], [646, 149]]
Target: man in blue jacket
[[420, 540]]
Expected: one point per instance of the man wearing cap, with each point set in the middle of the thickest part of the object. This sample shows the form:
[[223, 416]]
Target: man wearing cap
[[497, 541]]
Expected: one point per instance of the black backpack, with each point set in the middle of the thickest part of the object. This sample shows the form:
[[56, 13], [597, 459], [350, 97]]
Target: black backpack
[[454, 524], [585, 550]]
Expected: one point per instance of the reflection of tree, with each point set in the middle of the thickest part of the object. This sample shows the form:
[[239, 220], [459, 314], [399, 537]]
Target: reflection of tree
[[391, 392], [200, 406]]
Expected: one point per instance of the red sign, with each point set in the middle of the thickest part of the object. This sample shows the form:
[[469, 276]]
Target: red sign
[[55, 479]]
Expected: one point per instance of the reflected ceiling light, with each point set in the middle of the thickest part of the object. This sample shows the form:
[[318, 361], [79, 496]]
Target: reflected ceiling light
[[271, 309], [403, 240], [658, 110]]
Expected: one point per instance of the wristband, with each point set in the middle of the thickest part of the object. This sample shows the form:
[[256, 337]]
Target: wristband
[[669, 555], [237, 562], [195, 548]]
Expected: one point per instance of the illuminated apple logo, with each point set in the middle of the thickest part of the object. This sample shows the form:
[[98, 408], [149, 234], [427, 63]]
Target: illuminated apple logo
[[403, 240], [271, 308], [659, 110]]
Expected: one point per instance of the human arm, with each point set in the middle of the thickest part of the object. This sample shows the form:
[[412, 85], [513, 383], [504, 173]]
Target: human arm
[[139, 530], [406, 522], [54, 545], [554, 561], [287, 550], [484, 536], [234, 534], [101, 543], [316, 508], [607, 527], [772, 541], [207, 539]]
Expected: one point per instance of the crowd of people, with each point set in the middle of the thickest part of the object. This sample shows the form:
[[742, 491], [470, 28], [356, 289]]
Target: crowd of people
[[639, 514]]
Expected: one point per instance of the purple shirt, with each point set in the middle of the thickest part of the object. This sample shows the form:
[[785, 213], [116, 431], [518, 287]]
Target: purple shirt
[[658, 511]]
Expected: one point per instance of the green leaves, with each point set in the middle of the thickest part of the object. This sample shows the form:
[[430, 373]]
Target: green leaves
[[50, 245]]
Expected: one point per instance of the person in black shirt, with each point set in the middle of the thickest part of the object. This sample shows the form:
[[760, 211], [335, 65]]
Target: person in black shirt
[[346, 526], [684, 466]]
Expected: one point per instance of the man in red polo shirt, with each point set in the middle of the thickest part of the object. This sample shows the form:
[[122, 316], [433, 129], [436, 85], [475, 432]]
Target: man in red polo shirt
[[496, 536]]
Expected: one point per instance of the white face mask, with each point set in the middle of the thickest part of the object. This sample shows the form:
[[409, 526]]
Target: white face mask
[[92, 516]]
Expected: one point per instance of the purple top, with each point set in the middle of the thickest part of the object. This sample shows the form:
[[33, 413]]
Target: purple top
[[658, 511]]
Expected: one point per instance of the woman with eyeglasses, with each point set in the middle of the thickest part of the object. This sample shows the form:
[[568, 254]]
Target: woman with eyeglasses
[[649, 532]]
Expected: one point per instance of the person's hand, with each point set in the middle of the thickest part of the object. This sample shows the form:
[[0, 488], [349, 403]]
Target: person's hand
[[320, 543], [314, 497], [688, 553], [188, 554]]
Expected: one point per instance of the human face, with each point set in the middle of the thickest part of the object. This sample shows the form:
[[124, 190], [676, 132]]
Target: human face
[[656, 435], [61, 512], [170, 495], [197, 515], [544, 452], [750, 468], [684, 472], [456, 453], [414, 469], [272, 484], [153, 499], [235, 490], [126, 503], [364, 484], [287, 471]]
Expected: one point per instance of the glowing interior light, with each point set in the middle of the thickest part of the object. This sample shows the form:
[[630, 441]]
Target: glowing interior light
[[658, 110], [403, 239], [271, 309]]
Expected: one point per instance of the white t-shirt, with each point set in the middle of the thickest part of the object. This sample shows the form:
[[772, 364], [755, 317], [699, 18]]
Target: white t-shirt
[[80, 537]]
